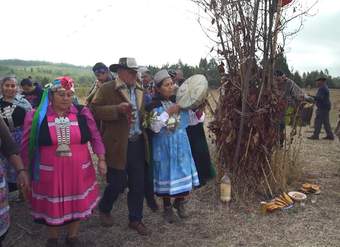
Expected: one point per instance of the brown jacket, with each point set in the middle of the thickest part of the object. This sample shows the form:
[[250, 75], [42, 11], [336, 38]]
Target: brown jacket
[[114, 129]]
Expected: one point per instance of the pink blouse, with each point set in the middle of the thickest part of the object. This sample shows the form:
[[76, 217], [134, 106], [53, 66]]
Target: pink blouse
[[96, 140]]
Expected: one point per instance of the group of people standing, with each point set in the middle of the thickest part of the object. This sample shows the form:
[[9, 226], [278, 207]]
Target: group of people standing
[[147, 146], [142, 139], [292, 96]]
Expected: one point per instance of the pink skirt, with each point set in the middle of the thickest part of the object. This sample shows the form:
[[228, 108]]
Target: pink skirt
[[67, 189]]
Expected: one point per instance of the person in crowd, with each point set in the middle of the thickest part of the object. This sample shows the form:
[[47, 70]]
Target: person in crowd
[[148, 85], [13, 108], [102, 73], [175, 173], [178, 77], [55, 149], [31, 92], [119, 105], [149, 91], [172, 74], [290, 95], [199, 145], [323, 105], [10, 150]]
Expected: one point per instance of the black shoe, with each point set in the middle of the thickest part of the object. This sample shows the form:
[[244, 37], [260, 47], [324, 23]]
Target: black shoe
[[140, 228], [313, 138], [331, 138], [152, 204]]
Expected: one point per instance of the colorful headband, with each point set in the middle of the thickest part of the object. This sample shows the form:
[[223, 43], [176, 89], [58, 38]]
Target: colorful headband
[[63, 82]]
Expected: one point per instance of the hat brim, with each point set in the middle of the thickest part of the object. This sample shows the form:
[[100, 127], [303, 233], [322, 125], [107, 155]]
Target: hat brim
[[116, 67]]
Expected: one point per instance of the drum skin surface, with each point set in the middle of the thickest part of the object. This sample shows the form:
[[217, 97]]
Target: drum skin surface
[[192, 92]]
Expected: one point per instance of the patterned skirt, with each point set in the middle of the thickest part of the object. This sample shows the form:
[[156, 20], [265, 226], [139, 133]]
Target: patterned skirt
[[4, 207], [175, 174], [11, 175]]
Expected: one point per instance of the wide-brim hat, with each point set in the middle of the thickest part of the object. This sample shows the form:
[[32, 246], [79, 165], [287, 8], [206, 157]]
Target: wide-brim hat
[[125, 63]]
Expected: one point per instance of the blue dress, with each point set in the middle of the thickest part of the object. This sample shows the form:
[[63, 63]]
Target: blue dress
[[174, 168]]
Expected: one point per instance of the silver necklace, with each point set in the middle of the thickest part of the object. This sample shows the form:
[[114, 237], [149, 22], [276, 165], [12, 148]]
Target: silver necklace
[[7, 113], [62, 125]]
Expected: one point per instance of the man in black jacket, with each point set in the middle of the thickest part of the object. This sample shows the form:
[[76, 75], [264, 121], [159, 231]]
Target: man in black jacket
[[323, 105]]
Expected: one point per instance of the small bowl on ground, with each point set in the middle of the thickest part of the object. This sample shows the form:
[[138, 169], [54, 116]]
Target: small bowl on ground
[[297, 196]]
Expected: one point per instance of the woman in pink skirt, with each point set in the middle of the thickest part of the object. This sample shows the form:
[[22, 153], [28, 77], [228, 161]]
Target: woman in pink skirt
[[55, 148]]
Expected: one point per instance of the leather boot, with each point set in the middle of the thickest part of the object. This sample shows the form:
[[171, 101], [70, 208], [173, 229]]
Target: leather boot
[[181, 210], [168, 215]]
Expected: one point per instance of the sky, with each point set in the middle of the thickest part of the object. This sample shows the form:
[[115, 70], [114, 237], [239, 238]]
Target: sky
[[155, 32]]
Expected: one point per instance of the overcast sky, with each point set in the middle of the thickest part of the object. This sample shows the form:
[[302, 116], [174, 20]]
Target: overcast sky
[[155, 32]]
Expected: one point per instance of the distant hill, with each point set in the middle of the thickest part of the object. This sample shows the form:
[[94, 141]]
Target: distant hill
[[45, 72]]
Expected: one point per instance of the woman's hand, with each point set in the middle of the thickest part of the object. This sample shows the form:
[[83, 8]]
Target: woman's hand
[[23, 182], [173, 109], [102, 167]]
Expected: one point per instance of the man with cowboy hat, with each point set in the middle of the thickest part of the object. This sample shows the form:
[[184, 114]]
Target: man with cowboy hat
[[118, 104]]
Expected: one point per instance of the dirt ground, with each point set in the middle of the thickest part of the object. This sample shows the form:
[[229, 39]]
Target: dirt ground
[[316, 224]]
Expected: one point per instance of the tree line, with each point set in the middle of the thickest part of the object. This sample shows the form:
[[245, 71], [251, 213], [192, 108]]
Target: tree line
[[45, 72], [306, 79]]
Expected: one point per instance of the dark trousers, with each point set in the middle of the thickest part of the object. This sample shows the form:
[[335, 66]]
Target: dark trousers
[[148, 183], [132, 177], [322, 117], [148, 175]]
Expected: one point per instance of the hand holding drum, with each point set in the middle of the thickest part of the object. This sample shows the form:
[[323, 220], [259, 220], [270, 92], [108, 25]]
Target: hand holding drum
[[173, 109]]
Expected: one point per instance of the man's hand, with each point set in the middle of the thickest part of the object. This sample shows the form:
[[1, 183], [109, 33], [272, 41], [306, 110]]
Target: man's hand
[[309, 98], [124, 108]]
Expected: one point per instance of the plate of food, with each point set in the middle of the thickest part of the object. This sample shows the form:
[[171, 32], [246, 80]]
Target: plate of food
[[310, 188], [297, 196], [282, 202]]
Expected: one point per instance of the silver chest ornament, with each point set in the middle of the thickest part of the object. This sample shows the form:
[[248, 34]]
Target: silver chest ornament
[[7, 113], [62, 125], [173, 121]]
